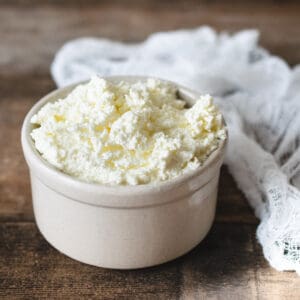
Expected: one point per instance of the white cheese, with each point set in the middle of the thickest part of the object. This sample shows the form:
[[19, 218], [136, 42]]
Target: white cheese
[[126, 133]]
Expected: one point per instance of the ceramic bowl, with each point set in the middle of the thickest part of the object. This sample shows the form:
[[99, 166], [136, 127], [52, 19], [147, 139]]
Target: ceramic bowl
[[122, 227]]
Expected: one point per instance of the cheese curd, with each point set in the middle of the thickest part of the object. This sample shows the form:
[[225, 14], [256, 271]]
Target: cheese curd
[[126, 133]]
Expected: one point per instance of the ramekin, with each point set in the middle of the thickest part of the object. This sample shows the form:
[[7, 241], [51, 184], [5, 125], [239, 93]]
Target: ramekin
[[121, 227]]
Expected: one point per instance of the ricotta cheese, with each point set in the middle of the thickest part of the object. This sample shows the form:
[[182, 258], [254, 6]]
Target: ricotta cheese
[[126, 133]]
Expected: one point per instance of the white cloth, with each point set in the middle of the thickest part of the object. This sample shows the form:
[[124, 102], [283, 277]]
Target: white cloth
[[259, 95]]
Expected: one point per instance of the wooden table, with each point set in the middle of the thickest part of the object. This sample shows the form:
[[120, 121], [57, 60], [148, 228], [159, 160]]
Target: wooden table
[[229, 263]]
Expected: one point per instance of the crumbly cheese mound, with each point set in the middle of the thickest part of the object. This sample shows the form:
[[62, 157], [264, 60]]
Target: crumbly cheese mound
[[126, 133]]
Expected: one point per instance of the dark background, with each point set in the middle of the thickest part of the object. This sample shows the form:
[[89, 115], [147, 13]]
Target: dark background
[[229, 264]]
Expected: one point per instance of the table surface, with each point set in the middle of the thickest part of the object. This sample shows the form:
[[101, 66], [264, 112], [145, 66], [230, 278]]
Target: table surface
[[229, 263]]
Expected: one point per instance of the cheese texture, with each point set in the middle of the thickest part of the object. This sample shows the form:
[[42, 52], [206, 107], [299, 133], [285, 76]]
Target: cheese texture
[[126, 133]]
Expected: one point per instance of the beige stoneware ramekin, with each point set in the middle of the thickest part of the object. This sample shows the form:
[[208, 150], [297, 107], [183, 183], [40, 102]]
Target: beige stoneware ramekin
[[122, 227]]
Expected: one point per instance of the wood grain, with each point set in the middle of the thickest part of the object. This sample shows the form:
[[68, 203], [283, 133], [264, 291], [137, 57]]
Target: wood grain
[[229, 264], [31, 267], [32, 33], [226, 265]]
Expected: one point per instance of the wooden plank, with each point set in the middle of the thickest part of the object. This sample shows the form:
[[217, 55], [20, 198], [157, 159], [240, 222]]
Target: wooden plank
[[16, 98], [223, 266], [228, 264], [30, 35], [232, 205], [31, 269], [149, 3]]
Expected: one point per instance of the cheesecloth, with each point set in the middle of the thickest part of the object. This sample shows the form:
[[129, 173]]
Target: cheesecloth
[[259, 95]]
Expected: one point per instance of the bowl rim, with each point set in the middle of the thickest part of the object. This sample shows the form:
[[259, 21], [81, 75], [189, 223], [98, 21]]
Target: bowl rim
[[32, 155]]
